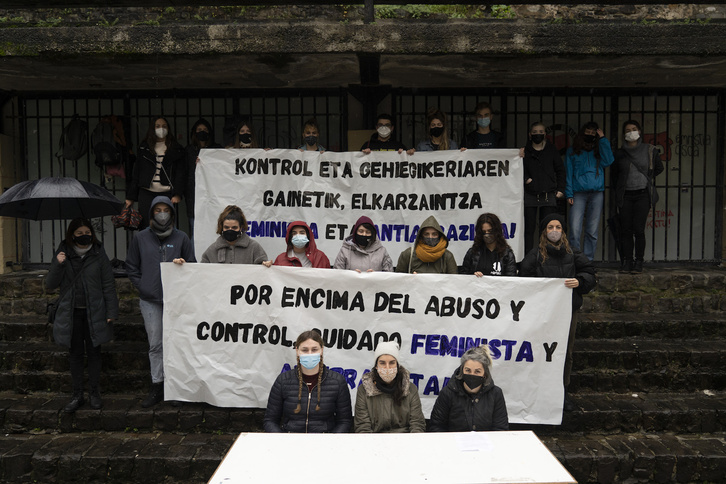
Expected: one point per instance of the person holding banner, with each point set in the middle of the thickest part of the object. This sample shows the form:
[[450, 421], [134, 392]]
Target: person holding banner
[[311, 134], [201, 136], [160, 242], [245, 137], [490, 255], [322, 406], [470, 401], [429, 254], [438, 134], [301, 249], [555, 258], [387, 401], [234, 246], [483, 136], [362, 251], [382, 139]]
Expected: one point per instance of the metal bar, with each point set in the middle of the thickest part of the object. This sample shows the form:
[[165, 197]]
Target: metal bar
[[719, 181]]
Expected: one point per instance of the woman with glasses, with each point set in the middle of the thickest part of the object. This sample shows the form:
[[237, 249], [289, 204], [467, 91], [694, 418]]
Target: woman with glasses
[[490, 255]]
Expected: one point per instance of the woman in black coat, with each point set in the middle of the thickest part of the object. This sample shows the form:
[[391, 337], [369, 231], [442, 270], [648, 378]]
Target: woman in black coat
[[310, 398], [554, 257], [490, 255], [471, 400], [201, 137], [87, 306], [160, 170]]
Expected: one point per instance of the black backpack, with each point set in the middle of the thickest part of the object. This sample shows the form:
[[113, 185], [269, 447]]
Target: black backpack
[[74, 139]]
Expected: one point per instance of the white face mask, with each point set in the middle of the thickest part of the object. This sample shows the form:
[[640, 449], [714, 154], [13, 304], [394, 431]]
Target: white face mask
[[632, 136], [554, 236], [387, 374], [161, 132], [384, 131]]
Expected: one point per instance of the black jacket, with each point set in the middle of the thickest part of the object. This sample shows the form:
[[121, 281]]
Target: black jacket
[[456, 410], [98, 285], [335, 413], [174, 173], [547, 172], [470, 140], [562, 264], [192, 153], [621, 168], [473, 255]]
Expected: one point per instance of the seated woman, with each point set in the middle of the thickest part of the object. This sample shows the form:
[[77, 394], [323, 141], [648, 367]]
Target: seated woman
[[324, 404], [429, 254], [471, 400], [387, 401], [301, 249], [234, 246], [490, 255], [362, 251]]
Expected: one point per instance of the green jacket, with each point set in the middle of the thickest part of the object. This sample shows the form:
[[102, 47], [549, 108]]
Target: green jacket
[[409, 262], [376, 412]]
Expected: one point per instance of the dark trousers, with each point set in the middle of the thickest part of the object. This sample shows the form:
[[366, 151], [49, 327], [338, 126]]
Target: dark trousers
[[531, 224], [633, 215], [81, 345], [570, 348]]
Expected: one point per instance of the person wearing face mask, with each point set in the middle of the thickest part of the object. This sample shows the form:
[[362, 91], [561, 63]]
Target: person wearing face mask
[[554, 257], [301, 249], [429, 254], [484, 136], [544, 181], [490, 255], [310, 398], [387, 401], [362, 251], [311, 136], [200, 137], [86, 308], [160, 169], [438, 135], [585, 162], [382, 139], [633, 176], [470, 401], [234, 246], [245, 136], [160, 242]]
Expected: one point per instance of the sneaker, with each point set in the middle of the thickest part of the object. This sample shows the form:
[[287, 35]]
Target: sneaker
[[156, 395]]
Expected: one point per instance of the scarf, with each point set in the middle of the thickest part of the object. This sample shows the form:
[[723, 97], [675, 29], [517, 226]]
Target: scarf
[[162, 234], [82, 252], [426, 253]]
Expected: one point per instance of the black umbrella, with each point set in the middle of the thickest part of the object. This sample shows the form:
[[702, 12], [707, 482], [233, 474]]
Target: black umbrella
[[56, 198]]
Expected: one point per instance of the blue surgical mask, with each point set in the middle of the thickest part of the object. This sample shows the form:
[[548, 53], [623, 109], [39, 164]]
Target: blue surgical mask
[[484, 122], [299, 241], [310, 361]]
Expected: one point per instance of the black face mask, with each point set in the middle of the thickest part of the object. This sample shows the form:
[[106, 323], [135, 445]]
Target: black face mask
[[472, 381], [537, 138], [83, 240], [589, 138], [436, 132], [311, 140], [245, 139], [203, 136], [231, 235], [363, 240]]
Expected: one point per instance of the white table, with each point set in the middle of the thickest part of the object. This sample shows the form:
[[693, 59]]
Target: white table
[[461, 457]]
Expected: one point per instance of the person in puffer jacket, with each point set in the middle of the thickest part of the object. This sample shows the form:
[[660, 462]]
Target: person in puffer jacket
[[310, 398], [430, 253], [470, 401], [362, 251]]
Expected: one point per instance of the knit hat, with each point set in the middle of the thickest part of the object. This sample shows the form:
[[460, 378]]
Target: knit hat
[[549, 218], [387, 348]]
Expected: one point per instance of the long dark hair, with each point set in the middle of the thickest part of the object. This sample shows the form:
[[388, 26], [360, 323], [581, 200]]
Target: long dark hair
[[232, 212], [304, 336], [151, 135], [75, 224], [578, 144], [493, 220]]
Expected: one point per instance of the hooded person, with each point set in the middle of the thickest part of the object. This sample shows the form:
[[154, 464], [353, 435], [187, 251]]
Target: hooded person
[[201, 136], [159, 242], [362, 251], [234, 246], [429, 254], [301, 248], [470, 401], [387, 401]]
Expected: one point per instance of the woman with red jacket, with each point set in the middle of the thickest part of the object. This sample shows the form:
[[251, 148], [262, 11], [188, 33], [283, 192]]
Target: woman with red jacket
[[301, 249]]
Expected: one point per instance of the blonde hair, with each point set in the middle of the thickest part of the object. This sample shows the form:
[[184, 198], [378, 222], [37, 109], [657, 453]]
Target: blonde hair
[[543, 241], [436, 113]]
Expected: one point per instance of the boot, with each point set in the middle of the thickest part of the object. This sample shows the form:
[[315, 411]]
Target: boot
[[156, 395], [94, 399], [637, 267], [626, 266], [76, 403]]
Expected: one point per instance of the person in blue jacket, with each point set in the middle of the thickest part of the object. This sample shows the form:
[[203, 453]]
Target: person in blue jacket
[[585, 163], [160, 242]]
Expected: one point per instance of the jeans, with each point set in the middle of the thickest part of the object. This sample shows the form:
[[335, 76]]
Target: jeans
[[587, 205], [152, 313], [633, 215], [81, 345]]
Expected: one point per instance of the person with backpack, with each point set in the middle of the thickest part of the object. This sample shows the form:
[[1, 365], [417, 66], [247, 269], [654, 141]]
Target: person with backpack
[[201, 137], [160, 169]]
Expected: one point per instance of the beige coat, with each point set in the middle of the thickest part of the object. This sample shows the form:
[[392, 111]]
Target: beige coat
[[375, 411]]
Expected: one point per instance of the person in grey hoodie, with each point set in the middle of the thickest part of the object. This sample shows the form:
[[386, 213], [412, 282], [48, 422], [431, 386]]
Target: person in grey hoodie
[[233, 246], [429, 255], [362, 251], [160, 242]]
